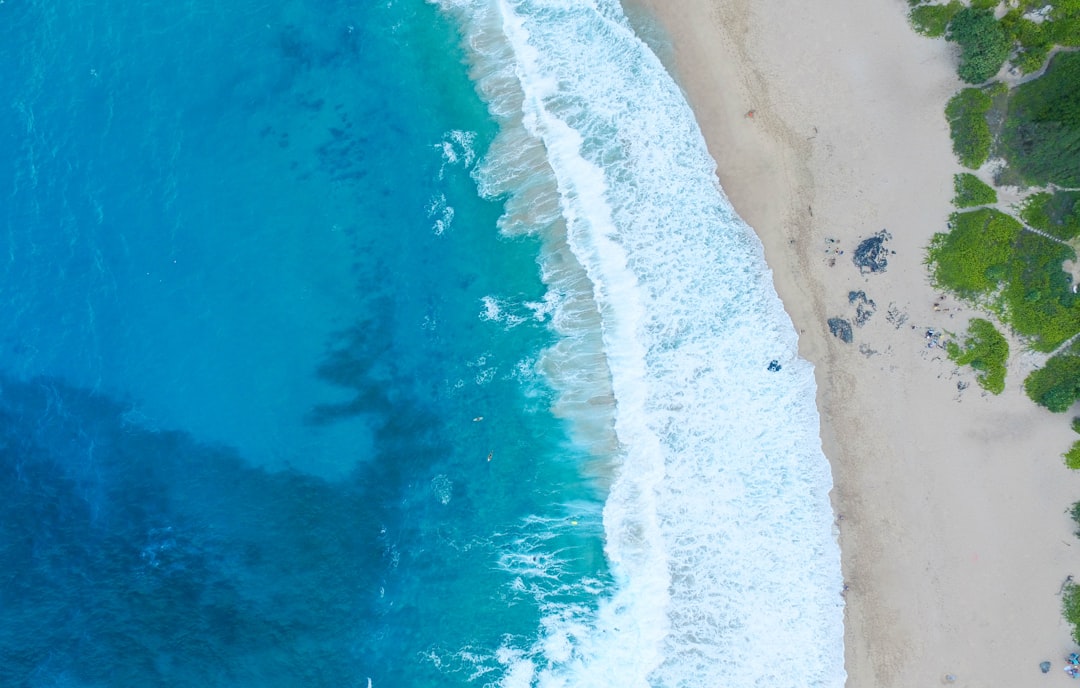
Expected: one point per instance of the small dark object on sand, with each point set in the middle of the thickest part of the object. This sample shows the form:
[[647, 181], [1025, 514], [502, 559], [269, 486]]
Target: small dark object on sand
[[774, 365], [1044, 667], [871, 254], [841, 328]]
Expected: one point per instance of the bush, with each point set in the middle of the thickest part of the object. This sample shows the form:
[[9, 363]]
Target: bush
[[1070, 607], [984, 46], [970, 133], [932, 20], [986, 351], [1041, 134], [972, 191], [1038, 295], [1057, 384], [1076, 428], [1074, 512], [973, 259], [1072, 457], [1057, 214]]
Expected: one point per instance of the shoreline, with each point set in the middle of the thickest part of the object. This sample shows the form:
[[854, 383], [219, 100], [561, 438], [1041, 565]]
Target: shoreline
[[951, 503]]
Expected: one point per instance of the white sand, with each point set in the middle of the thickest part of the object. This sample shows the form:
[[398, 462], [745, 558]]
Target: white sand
[[954, 533]]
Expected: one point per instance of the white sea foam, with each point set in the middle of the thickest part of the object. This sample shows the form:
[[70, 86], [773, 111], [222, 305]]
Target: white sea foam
[[718, 526], [441, 212]]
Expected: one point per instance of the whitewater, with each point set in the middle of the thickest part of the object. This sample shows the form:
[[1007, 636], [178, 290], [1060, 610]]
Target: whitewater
[[719, 531]]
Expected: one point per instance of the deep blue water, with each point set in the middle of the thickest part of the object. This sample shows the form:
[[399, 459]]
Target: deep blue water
[[243, 371]]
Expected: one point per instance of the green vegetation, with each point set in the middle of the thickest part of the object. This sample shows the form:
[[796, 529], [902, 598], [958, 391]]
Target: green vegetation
[[1072, 457], [1057, 384], [932, 20], [972, 191], [1057, 214], [973, 259], [1038, 296], [984, 47], [988, 258], [1041, 135], [1033, 38], [1070, 607], [986, 351], [970, 133]]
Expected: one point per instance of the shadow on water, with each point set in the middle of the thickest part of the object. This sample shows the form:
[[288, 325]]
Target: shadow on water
[[143, 558]]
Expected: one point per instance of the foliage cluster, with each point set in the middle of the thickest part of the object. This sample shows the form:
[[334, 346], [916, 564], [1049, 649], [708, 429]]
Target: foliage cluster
[[1070, 607], [1038, 295], [970, 133], [984, 47], [1057, 214], [1072, 457], [1057, 384], [986, 350], [1075, 513], [973, 259], [972, 191], [932, 20], [988, 257], [1041, 135]]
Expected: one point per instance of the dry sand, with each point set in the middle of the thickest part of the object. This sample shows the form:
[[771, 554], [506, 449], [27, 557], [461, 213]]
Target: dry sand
[[954, 534]]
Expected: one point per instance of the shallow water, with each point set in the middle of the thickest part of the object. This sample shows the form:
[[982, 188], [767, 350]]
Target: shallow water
[[409, 345]]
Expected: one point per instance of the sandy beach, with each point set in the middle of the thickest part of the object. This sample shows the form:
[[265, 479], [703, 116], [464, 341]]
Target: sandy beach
[[826, 123]]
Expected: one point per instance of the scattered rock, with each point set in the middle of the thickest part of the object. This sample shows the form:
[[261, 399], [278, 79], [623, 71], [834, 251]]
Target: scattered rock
[[895, 316], [864, 310], [774, 365], [841, 328], [871, 254], [1044, 667]]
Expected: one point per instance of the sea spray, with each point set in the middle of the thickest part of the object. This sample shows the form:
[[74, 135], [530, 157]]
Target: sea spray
[[718, 527]]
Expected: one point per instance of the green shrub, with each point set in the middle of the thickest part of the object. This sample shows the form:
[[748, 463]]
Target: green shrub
[[932, 20], [984, 4], [971, 137], [1074, 512], [986, 350], [1038, 295], [1076, 428], [1064, 31], [1057, 384], [1070, 607], [1072, 457], [1041, 135], [972, 191], [1057, 213], [984, 46], [973, 258]]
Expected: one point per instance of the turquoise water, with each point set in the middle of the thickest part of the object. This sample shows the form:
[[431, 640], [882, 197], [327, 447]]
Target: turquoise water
[[258, 424], [398, 344]]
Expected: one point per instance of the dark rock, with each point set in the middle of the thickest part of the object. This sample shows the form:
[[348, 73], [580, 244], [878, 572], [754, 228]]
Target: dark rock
[[841, 328], [865, 309], [774, 365], [871, 254]]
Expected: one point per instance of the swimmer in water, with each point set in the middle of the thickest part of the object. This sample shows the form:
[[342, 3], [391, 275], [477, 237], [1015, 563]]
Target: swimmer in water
[[490, 454]]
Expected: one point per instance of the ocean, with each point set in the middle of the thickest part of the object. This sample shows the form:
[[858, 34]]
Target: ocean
[[394, 344]]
